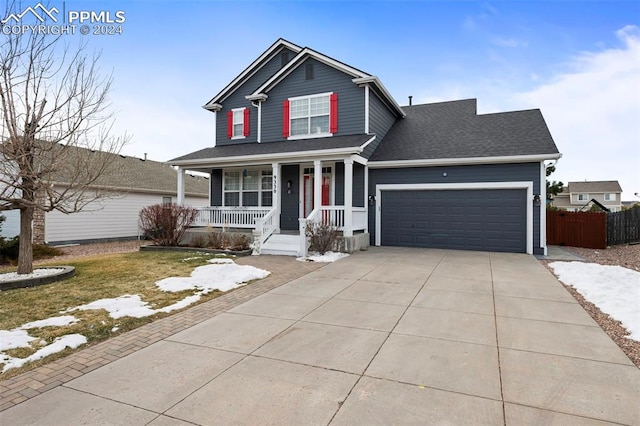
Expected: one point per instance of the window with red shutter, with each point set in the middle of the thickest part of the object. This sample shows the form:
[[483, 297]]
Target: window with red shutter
[[246, 122], [230, 124], [333, 116], [310, 116]]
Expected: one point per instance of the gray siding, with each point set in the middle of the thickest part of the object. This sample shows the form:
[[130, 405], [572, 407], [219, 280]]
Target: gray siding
[[216, 187], [358, 185], [529, 172], [290, 202], [326, 79], [237, 100], [380, 121]]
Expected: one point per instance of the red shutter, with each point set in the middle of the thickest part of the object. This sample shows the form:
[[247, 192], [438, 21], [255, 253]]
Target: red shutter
[[285, 119], [230, 124], [245, 131], [333, 118]]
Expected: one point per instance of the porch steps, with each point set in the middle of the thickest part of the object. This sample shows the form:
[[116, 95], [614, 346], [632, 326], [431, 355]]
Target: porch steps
[[281, 244]]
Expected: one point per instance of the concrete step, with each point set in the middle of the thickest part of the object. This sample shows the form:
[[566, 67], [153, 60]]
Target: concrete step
[[281, 245]]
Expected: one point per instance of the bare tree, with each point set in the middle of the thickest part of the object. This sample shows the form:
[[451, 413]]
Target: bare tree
[[53, 104]]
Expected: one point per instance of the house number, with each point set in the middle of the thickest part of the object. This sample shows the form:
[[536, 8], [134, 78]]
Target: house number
[[275, 184]]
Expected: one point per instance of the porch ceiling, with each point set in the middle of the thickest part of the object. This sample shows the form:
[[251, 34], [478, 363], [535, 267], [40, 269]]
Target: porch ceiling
[[226, 154]]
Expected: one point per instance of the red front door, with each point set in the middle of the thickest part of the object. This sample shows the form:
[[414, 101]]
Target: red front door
[[307, 196]]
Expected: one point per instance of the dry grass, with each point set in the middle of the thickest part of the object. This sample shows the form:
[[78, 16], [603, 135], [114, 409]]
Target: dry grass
[[97, 277]]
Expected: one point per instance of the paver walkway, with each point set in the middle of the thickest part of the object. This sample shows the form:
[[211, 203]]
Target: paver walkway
[[387, 336]]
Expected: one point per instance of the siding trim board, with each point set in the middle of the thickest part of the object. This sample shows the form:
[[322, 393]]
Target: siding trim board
[[528, 186], [435, 162]]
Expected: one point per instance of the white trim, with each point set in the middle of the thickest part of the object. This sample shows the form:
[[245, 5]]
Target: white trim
[[259, 132], [385, 92], [366, 196], [359, 159], [453, 186], [348, 198], [366, 144], [252, 69], [180, 186], [297, 60], [366, 109], [261, 158], [215, 127], [466, 160], [543, 208]]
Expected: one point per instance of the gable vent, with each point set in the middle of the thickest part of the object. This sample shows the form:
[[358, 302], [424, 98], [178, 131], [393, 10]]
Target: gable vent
[[309, 71]]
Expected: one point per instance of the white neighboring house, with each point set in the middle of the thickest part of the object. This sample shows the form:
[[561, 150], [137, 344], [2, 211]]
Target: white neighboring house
[[578, 196], [138, 183]]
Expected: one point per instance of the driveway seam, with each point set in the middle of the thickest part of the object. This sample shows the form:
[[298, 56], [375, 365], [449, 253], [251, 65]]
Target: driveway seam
[[495, 320]]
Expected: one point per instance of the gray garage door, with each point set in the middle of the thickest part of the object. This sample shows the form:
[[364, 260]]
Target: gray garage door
[[491, 219]]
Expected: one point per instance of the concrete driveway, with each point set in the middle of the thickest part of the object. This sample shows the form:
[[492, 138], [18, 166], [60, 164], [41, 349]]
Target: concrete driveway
[[388, 336]]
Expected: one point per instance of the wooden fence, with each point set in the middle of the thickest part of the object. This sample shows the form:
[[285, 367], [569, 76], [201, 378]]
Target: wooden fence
[[623, 227], [577, 229], [592, 230]]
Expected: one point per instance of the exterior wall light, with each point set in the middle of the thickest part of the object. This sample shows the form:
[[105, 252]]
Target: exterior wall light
[[536, 200]]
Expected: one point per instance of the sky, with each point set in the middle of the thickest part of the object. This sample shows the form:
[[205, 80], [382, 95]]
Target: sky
[[577, 61]]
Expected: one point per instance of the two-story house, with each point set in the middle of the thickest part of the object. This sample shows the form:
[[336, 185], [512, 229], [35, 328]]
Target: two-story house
[[579, 196], [303, 137]]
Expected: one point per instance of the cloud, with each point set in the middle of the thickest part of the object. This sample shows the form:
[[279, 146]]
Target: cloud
[[509, 42], [592, 109]]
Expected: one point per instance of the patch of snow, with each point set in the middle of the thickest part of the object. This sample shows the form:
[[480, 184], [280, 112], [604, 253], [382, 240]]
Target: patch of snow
[[326, 258], [613, 289], [180, 304], [67, 341], [37, 273], [124, 306], [16, 338], [220, 260], [114, 329], [51, 322], [222, 275]]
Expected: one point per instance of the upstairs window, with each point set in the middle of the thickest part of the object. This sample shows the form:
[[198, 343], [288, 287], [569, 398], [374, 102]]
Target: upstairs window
[[310, 116], [609, 197], [238, 123], [583, 197]]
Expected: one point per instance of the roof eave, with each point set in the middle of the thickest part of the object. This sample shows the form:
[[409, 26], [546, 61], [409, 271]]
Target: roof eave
[[375, 80], [464, 160], [269, 157]]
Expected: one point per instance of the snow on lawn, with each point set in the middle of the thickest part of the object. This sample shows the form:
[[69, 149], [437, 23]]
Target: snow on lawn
[[327, 257], [613, 289], [221, 274], [67, 341]]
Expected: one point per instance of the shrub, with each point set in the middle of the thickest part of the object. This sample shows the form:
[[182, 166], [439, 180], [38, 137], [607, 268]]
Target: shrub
[[166, 224], [322, 236], [228, 241], [9, 250]]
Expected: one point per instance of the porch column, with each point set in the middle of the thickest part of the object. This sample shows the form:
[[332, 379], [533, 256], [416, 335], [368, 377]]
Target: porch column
[[348, 198], [180, 194], [366, 197], [275, 167], [317, 184]]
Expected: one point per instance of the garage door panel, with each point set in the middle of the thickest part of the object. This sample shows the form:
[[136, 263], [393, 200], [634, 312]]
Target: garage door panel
[[489, 219]]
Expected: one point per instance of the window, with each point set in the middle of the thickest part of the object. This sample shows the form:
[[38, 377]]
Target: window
[[248, 188], [583, 197], [309, 116], [166, 200], [609, 197], [238, 123]]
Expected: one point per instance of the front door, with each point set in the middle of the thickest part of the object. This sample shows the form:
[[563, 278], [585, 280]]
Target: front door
[[308, 188]]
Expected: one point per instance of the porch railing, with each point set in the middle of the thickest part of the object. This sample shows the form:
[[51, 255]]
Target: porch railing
[[333, 215], [265, 226], [230, 217]]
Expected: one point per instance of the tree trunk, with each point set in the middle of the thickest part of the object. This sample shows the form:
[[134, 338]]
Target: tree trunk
[[25, 251]]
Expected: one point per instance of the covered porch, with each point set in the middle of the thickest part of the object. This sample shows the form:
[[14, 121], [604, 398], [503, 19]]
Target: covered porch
[[276, 200]]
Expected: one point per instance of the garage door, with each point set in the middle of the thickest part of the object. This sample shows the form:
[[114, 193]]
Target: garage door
[[491, 219]]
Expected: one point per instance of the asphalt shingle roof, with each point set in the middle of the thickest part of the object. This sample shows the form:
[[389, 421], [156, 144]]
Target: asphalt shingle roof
[[454, 130], [283, 147], [594, 186]]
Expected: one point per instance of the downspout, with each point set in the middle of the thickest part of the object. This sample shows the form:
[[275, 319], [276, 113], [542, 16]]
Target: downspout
[[258, 104]]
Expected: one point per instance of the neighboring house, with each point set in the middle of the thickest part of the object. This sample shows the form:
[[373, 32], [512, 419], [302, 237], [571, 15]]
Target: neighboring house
[[134, 184], [579, 196], [302, 137]]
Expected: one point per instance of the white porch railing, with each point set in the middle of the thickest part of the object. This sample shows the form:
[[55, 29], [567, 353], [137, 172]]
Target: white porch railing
[[233, 217], [265, 226], [333, 215]]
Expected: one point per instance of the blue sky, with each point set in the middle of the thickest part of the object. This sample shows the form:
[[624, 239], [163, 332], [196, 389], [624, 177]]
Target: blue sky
[[579, 62]]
